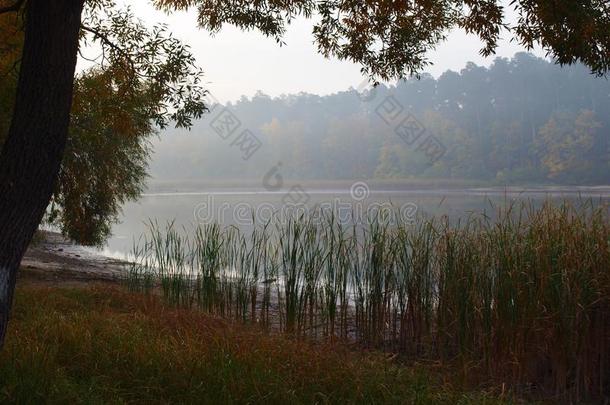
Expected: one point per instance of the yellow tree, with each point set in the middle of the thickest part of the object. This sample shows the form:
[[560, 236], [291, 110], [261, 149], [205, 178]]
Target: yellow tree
[[566, 144], [107, 147]]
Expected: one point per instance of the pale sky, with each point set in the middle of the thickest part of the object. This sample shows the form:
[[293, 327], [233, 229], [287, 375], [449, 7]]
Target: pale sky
[[239, 63]]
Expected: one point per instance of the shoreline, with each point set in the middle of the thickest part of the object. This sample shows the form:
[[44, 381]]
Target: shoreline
[[54, 259], [232, 186]]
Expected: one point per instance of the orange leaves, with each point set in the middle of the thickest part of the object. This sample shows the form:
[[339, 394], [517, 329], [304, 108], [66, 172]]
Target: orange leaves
[[11, 40]]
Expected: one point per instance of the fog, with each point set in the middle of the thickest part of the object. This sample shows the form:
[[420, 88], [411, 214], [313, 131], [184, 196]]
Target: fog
[[523, 120]]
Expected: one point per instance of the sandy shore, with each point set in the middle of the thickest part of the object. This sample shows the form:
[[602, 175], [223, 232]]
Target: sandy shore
[[57, 260]]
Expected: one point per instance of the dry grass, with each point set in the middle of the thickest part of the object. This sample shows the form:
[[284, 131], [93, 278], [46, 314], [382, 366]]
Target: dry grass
[[104, 345]]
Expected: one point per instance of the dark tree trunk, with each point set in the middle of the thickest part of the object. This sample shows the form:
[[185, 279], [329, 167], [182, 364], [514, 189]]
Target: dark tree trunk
[[34, 147]]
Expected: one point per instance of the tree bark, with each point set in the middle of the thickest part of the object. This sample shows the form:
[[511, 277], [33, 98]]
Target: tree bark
[[33, 151]]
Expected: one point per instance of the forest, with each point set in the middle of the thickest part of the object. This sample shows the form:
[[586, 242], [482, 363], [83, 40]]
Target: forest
[[520, 120]]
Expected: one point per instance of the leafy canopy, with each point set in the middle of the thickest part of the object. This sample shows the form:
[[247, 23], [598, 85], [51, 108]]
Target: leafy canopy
[[146, 60], [390, 38], [143, 79]]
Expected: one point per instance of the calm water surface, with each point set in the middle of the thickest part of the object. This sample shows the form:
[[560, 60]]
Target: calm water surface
[[236, 206]]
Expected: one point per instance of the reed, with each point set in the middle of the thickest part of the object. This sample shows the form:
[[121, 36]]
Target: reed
[[523, 298]]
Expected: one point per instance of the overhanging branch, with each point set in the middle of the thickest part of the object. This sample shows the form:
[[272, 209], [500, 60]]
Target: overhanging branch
[[103, 37], [106, 40]]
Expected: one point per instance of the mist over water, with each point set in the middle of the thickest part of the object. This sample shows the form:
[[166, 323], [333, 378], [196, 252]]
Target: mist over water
[[462, 144], [235, 206]]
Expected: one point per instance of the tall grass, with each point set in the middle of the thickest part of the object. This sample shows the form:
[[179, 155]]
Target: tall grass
[[523, 298], [102, 345]]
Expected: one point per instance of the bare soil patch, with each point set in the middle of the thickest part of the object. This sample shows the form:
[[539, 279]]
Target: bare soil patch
[[55, 260]]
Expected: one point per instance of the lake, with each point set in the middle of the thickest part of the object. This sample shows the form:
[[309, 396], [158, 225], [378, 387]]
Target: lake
[[231, 204]]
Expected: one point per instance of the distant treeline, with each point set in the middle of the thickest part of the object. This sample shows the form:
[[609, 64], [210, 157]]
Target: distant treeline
[[523, 119]]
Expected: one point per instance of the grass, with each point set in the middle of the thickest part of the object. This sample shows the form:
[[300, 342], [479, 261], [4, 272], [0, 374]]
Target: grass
[[105, 345], [523, 299]]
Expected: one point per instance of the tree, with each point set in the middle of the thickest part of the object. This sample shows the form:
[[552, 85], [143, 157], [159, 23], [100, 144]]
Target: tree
[[567, 146], [11, 43], [105, 161], [493, 137], [388, 38], [107, 146], [153, 81]]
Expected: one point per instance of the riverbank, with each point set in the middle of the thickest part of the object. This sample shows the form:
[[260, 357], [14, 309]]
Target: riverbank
[[100, 344], [77, 335], [52, 259], [453, 302], [505, 298]]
